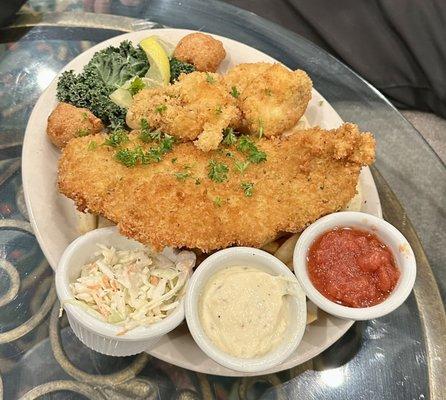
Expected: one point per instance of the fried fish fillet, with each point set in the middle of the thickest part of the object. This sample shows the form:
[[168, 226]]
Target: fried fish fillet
[[271, 98], [198, 106], [175, 203]]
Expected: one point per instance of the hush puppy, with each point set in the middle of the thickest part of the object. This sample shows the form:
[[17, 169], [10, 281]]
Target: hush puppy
[[203, 51], [67, 122]]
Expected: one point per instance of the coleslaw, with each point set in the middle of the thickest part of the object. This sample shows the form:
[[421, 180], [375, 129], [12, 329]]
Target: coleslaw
[[132, 288]]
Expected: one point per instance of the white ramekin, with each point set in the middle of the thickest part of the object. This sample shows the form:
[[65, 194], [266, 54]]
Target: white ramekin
[[395, 241], [98, 335], [244, 256]]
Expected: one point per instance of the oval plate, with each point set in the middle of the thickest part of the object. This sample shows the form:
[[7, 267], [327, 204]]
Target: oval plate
[[54, 223]]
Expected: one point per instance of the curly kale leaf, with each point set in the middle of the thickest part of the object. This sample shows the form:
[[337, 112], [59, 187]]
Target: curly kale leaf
[[107, 70], [178, 67]]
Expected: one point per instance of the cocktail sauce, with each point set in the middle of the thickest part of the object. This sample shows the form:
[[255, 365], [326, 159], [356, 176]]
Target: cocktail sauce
[[352, 267]]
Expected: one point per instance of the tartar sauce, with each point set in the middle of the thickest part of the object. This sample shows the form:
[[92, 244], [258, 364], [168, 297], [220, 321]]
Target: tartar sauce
[[245, 311]]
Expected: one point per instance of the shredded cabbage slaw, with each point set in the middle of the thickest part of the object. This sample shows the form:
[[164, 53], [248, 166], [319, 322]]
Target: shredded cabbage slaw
[[132, 288]]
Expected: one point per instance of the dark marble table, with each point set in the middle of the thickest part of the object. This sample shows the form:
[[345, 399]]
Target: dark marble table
[[401, 356]]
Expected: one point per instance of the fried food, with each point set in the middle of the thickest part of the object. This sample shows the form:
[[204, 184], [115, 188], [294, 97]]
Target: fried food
[[175, 203], [197, 107], [201, 50], [271, 98], [67, 121]]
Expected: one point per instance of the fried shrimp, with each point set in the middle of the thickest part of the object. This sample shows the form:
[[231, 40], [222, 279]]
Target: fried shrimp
[[67, 121], [271, 97], [196, 108]]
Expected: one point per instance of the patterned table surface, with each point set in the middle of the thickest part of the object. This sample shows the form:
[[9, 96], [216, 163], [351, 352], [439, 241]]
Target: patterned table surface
[[401, 356]]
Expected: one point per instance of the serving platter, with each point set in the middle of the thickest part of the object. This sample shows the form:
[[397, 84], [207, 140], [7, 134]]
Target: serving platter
[[54, 221]]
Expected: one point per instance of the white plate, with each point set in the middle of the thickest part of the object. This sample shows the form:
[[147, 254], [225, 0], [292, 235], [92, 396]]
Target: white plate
[[53, 220]]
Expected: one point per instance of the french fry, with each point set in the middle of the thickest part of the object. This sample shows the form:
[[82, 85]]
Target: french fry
[[311, 312], [271, 247], [85, 222], [103, 222], [285, 252]]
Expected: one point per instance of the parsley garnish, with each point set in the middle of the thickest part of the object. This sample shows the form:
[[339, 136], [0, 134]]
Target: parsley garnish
[[84, 116], [116, 138], [136, 86], [127, 157], [229, 154], [82, 132], [209, 78], [240, 166], [173, 160], [144, 124], [234, 92], [217, 201], [247, 146], [147, 136], [247, 187], [160, 108], [229, 137], [182, 176], [92, 145], [218, 110], [218, 172]]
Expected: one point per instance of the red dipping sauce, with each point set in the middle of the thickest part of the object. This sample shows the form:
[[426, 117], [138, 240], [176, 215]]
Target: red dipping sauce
[[352, 267]]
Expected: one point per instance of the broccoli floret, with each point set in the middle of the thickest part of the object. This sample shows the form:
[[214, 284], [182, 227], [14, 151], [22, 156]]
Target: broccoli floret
[[178, 67], [106, 71]]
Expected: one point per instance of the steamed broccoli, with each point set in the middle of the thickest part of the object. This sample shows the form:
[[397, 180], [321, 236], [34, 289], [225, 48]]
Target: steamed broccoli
[[107, 70], [178, 67]]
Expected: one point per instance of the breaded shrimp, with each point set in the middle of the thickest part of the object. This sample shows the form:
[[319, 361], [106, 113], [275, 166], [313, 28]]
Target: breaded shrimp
[[271, 97], [197, 107], [67, 121], [201, 50]]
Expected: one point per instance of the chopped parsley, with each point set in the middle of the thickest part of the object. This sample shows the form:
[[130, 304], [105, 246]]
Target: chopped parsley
[[229, 137], [82, 132], [92, 145], [209, 78], [229, 154], [218, 201], [160, 108], [173, 160], [127, 157], [248, 188], [247, 146], [182, 176], [218, 172], [84, 116], [218, 110], [198, 181], [136, 86], [116, 138], [240, 166], [234, 92], [147, 136]]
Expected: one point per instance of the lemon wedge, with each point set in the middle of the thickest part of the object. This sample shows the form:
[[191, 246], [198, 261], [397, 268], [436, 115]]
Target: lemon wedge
[[159, 61]]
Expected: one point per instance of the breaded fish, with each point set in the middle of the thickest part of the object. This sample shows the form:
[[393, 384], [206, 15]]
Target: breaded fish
[[180, 202], [198, 106], [67, 121], [271, 97]]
